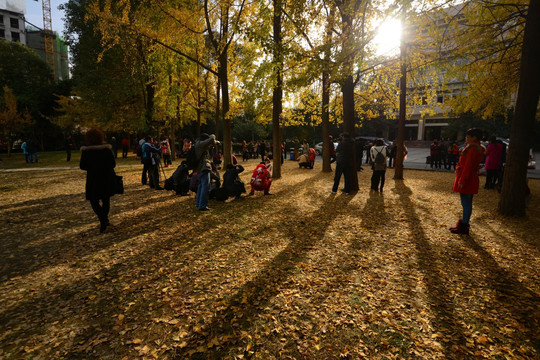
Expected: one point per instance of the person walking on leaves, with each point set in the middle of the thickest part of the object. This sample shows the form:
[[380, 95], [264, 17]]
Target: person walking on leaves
[[466, 182], [98, 160], [344, 152], [378, 158], [204, 166]]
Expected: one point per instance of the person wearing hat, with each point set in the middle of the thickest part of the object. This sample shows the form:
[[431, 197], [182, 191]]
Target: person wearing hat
[[344, 152], [203, 169]]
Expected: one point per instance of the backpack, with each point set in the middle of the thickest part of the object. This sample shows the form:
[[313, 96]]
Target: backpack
[[139, 151], [191, 158], [380, 160]]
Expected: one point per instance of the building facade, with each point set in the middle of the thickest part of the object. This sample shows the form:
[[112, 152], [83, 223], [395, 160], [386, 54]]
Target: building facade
[[36, 41], [12, 20]]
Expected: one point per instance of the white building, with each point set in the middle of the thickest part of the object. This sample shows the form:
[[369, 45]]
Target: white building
[[12, 20]]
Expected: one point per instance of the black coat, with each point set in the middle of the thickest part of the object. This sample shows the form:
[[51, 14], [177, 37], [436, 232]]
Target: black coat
[[98, 161]]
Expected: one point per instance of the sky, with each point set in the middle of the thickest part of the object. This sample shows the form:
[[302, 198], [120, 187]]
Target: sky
[[34, 14]]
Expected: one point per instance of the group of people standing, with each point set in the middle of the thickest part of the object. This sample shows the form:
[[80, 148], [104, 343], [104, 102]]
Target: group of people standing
[[443, 154], [30, 150], [98, 160]]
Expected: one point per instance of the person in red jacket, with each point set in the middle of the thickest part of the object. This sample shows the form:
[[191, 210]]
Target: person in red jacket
[[260, 180], [466, 181]]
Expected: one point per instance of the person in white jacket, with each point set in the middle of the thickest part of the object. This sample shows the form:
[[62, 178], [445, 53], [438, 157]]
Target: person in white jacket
[[379, 158]]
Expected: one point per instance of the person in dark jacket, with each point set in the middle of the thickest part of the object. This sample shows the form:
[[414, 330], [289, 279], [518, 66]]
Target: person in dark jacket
[[98, 160], [232, 183], [151, 158], [345, 151]]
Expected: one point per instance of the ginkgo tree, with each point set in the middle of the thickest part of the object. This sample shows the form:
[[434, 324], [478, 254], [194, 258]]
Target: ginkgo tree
[[12, 121]]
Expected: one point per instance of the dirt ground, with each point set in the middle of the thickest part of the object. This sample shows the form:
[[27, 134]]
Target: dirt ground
[[302, 274]]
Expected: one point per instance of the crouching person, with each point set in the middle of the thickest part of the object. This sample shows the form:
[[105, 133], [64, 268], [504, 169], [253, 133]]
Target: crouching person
[[261, 180], [232, 183]]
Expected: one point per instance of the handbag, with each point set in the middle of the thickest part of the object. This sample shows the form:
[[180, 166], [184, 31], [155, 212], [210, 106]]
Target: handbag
[[118, 184]]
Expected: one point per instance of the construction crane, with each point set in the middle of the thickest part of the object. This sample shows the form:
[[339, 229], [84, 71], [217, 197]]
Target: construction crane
[[48, 35]]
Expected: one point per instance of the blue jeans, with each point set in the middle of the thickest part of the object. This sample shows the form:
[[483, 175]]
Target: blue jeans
[[466, 204], [202, 190], [33, 157]]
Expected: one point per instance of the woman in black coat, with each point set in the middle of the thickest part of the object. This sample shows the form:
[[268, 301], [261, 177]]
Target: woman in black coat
[[98, 160]]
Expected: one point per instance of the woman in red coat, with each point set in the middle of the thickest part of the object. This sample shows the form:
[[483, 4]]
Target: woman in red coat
[[466, 182]]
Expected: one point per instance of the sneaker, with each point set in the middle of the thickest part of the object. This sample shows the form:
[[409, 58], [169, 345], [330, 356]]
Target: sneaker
[[333, 192], [205, 209], [268, 194]]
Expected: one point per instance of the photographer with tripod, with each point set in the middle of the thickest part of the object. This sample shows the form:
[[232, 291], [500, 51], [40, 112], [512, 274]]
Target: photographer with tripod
[[151, 159]]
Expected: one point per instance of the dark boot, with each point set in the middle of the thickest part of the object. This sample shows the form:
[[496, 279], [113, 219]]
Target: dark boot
[[452, 229], [462, 228]]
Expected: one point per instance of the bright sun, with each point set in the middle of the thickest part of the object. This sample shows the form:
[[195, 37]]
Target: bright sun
[[387, 39]]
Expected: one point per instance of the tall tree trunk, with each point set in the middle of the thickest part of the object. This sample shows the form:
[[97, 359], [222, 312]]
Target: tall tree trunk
[[150, 93], [327, 144], [512, 201], [326, 122], [277, 95], [347, 89], [349, 126], [227, 121], [400, 154], [217, 115]]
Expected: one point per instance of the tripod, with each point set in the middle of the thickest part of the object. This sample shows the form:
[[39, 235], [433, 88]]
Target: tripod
[[163, 172]]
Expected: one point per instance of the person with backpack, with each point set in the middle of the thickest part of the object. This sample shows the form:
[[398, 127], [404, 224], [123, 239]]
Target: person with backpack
[[378, 156], [150, 157], [203, 167]]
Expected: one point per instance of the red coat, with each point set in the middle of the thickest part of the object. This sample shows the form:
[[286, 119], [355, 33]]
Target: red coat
[[493, 156], [467, 169]]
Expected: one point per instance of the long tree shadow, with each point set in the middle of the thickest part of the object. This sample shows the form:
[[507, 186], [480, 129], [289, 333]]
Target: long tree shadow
[[440, 298], [69, 300], [243, 307], [29, 250], [522, 302]]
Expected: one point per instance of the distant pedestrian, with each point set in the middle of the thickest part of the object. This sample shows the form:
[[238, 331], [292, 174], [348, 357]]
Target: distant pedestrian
[[98, 161], [305, 147], [151, 158], [344, 153], [378, 157], [114, 147], [125, 148], [25, 151], [466, 181], [31, 147], [68, 144], [434, 153], [392, 153], [262, 150], [493, 162]]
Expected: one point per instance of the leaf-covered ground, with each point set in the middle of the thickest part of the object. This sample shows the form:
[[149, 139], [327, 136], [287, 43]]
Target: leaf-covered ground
[[302, 274]]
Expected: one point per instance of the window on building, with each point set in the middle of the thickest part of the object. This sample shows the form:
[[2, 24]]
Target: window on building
[[424, 100], [15, 36], [2, 34], [14, 23], [440, 99], [1, 19]]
